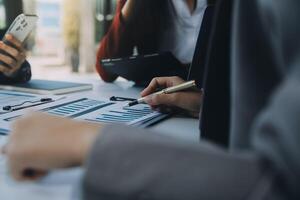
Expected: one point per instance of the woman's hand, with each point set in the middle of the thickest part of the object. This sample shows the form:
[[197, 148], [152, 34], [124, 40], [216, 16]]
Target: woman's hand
[[189, 101], [12, 55], [128, 10], [40, 142]]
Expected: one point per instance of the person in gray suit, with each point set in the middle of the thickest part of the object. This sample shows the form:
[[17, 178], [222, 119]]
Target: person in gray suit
[[262, 160]]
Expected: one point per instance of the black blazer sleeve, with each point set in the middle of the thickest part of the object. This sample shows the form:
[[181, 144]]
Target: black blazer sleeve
[[23, 75]]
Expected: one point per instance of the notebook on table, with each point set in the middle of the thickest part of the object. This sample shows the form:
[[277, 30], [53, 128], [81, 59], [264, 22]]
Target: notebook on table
[[38, 86]]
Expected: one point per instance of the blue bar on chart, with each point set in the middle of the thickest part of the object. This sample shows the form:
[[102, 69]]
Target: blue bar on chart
[[77, 108], [126, 115]]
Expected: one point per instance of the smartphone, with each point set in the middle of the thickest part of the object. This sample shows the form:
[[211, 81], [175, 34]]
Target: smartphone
[[22, 26]]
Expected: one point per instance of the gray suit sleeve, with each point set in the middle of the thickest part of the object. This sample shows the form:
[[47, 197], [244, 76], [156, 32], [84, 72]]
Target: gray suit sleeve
[[129, 163], [276, 134]]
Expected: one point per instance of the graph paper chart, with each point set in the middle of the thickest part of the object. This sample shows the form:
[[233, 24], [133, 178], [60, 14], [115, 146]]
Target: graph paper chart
[[77, 108], [125, 115], [136, 115], [98, 111], [107, 112]]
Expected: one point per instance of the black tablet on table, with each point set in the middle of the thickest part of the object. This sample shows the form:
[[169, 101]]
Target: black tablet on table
[[142, 68]]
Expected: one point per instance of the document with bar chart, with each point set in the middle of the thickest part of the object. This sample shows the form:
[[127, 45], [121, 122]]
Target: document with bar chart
[[93, 110]]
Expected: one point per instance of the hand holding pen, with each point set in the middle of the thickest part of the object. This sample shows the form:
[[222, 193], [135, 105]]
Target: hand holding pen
[[169, 90], [178, 96]]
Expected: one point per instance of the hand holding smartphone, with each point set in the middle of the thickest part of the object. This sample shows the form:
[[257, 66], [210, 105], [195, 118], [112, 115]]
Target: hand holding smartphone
[[22, 26], [12, 53]]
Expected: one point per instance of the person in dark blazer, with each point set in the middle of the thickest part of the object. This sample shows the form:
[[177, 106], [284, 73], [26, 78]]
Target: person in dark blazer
[[13, 65], [262, 158]]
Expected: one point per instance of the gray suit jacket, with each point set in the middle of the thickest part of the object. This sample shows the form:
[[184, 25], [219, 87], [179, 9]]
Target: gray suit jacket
[[263, 157]]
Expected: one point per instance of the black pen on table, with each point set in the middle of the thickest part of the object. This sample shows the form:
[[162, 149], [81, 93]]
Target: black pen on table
[[170, 90]]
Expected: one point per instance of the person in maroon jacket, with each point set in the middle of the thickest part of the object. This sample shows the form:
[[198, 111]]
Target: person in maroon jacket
[[152, 26]]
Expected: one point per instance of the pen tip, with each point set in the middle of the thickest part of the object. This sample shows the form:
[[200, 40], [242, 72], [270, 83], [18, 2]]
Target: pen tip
[[129, 104], [132, 103]]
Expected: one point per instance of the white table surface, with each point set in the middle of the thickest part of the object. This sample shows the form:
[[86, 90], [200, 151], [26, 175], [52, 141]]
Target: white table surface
[[63, 185]]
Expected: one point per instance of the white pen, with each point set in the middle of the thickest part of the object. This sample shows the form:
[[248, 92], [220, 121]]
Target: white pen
[[169, 90]]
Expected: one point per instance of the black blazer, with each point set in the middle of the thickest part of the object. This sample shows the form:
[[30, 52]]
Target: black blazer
[[216, 105], [211, 2]]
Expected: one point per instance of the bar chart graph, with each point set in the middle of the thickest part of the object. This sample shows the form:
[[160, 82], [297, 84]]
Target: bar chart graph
[[124, 116], [138, 115], [77, 108], [98, 111]]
